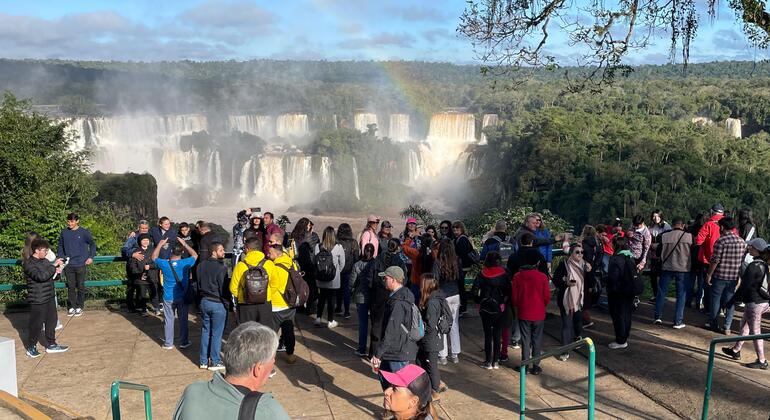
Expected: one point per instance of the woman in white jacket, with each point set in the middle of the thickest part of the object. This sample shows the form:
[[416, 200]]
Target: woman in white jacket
[[329, 260]]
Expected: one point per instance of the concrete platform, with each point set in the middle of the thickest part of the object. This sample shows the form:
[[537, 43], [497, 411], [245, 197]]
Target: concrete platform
[[661, 375]]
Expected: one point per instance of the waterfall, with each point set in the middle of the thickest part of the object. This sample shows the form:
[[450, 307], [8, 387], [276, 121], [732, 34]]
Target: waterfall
[[259, 125], [326, 174], [271, 180], [214, 171], [248, 179], [733, 126], [362, 120], [486, 121], [415, 167], [355, 179], [291, 125], [398, 129], [181, 168], [448, 137]]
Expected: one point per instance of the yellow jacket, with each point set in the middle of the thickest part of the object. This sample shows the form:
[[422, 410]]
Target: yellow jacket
[[253, 258], [281, 278]]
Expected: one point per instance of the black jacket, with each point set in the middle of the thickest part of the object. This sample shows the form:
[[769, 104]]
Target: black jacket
[[561, 277], [593, 252], [751, 284], [537, 243], [394, 340], [432, 341], [351, 254], [39, 274], [464, 250], [378, 294], [136, 267], [619, 282], [212, 280], [517, 260], [492, 283]]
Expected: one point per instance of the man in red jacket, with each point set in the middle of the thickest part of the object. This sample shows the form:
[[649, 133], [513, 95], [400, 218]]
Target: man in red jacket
[[707, 237], [530, 295]]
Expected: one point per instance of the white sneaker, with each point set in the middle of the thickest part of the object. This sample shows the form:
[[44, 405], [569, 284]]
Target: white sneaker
[[332, 324], [165, 347], [679, 326], [71, 312], [78, 312], [615, 345], [658, 321], [59, 326], [317, 322]]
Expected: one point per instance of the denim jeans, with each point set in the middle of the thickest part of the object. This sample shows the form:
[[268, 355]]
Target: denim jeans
[[721, 293], [343, 295], [169, 309], [363, 326], [390, 366], [683, 284], [213, 315]]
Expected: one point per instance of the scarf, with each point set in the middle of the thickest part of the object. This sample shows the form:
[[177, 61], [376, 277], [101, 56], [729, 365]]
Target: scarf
[[573, 295], [625, 252]]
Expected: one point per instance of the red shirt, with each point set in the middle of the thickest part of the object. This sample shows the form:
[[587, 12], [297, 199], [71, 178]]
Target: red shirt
[[607, 243], [707, 237], [530, 294]]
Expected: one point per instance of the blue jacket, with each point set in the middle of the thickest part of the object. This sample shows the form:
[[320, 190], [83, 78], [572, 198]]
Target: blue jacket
[[546, 250], [78, 245], [157, 235]]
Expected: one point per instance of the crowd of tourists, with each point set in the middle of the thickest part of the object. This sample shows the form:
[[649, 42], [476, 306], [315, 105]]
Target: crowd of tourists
[[409, 291]]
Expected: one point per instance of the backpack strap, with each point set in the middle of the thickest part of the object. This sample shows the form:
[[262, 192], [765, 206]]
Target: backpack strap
[[173, 271], [248, 409]]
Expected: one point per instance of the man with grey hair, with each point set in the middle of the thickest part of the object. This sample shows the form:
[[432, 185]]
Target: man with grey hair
[[249, 357]]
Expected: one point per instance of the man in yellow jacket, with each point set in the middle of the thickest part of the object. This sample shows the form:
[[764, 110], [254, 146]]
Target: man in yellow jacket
[[259, 312], [283, 315]]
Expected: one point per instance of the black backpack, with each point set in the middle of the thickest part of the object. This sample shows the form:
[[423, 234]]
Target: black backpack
[[351, 256], [445, 320], [633, 285], [255, 281], [248, 408], [491, 300], [324, 265], [297, 291]]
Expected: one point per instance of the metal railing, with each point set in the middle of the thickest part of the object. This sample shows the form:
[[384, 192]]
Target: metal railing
[[591, 380], [115, 397], [710, 370]]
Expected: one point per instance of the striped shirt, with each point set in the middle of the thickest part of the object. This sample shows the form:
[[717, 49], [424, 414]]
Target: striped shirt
[[728, 256]]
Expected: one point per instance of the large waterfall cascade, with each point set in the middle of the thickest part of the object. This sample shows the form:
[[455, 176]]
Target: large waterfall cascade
[[262, 126], [292, 125], [448, 137], [361, 121], [398, 129], [733, 126], [355, 179]]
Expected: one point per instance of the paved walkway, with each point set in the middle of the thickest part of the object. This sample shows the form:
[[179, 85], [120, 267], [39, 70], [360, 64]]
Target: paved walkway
[[661, 375]]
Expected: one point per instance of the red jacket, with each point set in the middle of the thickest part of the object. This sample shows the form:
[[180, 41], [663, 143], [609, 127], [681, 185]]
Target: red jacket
[[707, 236], [530, 294]]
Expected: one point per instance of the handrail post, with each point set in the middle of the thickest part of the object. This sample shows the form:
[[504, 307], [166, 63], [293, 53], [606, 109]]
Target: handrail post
[[709, 377], [147, 404], [522, 390], [115, 398], [591, 377]]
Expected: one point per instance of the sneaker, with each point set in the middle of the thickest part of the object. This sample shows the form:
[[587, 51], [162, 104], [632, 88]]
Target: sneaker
[[158, 312], [442, 387], [317, 322], [503, 359], [79, 312], [757, 365], [165, 347], [281, 348], [588, 324], [272, 373], [657, 321], [435, 397], [455, 359], [203, 366], [332, 324], [495, 366], [33, 353], [615, 346], [735, 355], [442, 361], [346, 316], [59, 326], [71, 312], [291, 359], [516, 345], [217, 367], [185, 345], [563, 357], [361, 353], [741, 305], [56, 348], [678, 326], [721, 313], [486, 365], [535, 370]]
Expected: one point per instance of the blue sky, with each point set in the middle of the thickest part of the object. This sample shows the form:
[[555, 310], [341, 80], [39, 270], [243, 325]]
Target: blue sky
[[289, 29]]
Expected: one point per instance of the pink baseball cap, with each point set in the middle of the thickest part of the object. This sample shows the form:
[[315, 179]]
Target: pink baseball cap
[[412, 377], [411, 220], [373, 218]]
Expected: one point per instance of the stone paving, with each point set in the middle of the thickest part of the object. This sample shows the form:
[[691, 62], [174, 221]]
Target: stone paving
[[661, 375]]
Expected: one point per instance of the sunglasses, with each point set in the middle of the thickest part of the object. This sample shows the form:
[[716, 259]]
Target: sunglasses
[[578, 252], [444, 228]]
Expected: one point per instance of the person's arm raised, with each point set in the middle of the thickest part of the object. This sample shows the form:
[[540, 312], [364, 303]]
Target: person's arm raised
[[156, 251], [188, 248]]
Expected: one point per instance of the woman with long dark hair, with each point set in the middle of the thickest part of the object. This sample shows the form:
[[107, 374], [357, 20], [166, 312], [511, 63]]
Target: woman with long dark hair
[[446, 268], [492, 291], [430, 305], [350, 245], [329, 258], [303, 242], [361, 279], [570, 278]]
